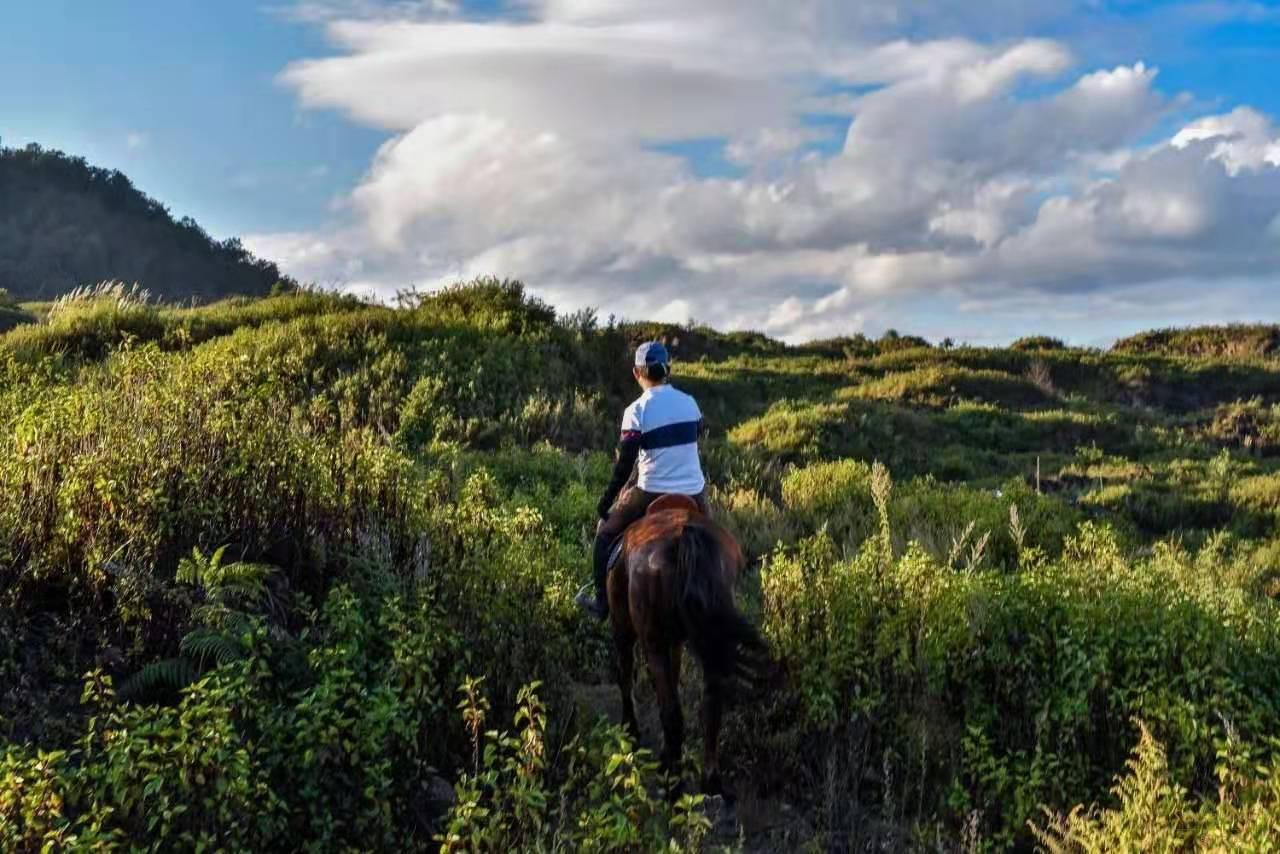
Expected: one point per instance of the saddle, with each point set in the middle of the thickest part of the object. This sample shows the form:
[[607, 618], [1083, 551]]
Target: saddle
[[672, 502], [660, 505]]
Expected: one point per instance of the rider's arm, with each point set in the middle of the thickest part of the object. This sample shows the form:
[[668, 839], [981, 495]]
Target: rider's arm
[[628, 452]]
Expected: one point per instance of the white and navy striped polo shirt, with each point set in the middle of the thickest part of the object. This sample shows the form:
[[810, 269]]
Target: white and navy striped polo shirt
[[667, 422]]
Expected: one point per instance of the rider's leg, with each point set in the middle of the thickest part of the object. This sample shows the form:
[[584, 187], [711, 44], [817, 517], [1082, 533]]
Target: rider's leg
[[629, 508], [600, 562]]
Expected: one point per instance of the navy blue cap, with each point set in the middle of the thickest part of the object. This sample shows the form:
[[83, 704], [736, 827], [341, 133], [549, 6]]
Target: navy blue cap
[[651, 353]]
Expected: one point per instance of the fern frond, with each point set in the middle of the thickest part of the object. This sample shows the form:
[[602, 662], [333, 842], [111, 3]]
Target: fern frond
[[237, 624], [191, 569], [238, 580], [207, 646], [171, 674], [245, 581]]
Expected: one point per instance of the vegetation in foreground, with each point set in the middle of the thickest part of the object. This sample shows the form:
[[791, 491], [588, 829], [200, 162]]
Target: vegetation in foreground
[[296, 573]]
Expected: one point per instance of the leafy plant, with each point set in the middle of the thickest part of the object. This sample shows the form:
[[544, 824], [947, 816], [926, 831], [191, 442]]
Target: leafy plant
[[593, 794], [223, 629]]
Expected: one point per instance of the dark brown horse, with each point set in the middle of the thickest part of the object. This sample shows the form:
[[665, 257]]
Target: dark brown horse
[[674, 584]]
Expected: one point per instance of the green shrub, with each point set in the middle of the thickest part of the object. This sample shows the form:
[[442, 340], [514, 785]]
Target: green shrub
[[1251, 426], [892, 341], [185, 328], [943, 387], [791, 430], [836, 497], [1260, 493], [11, 317], [496, 305], [508, 588], [1155, 813], [757, 523], [88, 323], [1232, 342], [479, 389], [1186, 496], [265, 751], [1028, 678], [1038, 342], [122, 477], [515, 799], [832, 496]]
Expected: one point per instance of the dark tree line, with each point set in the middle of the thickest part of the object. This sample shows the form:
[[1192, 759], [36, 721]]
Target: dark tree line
[[65, 223]]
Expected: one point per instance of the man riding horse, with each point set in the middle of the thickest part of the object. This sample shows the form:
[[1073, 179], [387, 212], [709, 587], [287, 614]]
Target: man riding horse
[[659, 445], [673, 584]]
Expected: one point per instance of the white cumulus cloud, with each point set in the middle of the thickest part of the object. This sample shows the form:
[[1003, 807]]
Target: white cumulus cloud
[[974, 163]]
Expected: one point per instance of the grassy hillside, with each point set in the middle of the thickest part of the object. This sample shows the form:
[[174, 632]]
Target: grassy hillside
[[64, 224], [271, 570], [1233, 342]]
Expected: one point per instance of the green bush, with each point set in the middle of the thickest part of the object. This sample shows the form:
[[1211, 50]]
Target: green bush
[[119, 478], [479, 389], [1234, 342], [943, 519], [314, 744], [1038, 342], [1251, 426], [497, 305], [1028, 678], [943, 387], [11, 317], [88, 323], [1155, 813], [835, 496], [516, 799], [792, 431]]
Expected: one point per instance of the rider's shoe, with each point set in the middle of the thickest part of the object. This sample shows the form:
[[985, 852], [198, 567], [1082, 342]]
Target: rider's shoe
[[593, 604]]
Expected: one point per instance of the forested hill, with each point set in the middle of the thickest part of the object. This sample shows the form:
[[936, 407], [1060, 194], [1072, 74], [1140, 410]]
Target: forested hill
[[65, 223]]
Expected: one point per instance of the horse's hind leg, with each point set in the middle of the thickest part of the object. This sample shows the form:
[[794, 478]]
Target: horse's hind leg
[[625, 643], [666, 682], [712, 716]]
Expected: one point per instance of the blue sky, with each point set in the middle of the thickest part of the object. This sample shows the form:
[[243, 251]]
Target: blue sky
[[207, 107], [192, 84]]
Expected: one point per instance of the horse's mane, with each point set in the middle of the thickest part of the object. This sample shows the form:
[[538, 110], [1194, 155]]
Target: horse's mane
[[670, 524]]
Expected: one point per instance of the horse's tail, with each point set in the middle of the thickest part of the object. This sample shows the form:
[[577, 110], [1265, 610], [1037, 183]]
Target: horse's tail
[[726, 643]]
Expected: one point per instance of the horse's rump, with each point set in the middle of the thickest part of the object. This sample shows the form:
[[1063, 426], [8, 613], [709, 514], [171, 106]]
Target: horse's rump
[[703, 561], [659, 524]]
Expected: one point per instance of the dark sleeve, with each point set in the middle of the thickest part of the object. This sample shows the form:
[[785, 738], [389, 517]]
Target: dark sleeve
[[628, 451]]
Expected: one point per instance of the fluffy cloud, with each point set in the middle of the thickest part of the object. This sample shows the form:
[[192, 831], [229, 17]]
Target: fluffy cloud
[[1243, 139], [541, 147]]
